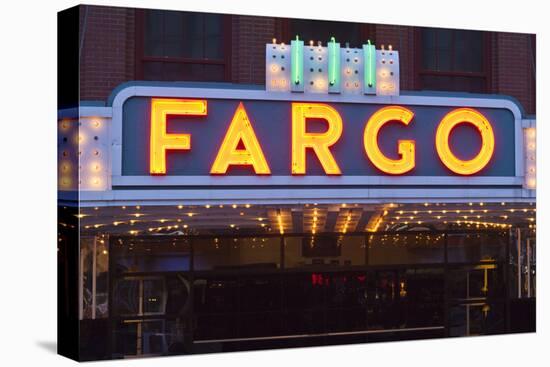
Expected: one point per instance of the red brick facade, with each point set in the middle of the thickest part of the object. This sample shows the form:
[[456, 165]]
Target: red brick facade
[[513, 67], [108, 53], [402, 39]]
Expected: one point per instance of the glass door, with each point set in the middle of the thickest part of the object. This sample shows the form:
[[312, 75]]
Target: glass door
[[151, 315], [137, 300], [476, 303]]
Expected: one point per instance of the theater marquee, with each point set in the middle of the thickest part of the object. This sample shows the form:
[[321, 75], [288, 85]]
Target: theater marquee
[[242, 144]]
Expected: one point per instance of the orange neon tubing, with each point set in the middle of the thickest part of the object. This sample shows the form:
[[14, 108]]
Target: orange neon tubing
[[240, 130], [160, 140], [320, 143], [406, 148], [449, 159]]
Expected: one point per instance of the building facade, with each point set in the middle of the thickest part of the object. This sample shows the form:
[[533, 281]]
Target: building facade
[[201, 211], [115, 50]]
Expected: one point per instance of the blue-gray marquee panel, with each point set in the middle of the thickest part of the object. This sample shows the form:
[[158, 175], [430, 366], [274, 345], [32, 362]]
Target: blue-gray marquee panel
[[272, 123]]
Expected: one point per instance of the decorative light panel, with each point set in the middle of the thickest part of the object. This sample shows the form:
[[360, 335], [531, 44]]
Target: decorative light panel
[[530, 141], [316, 69], [277, 76], [387, 72], [67, 147], [352, 62], [83, 154], [335, 69]]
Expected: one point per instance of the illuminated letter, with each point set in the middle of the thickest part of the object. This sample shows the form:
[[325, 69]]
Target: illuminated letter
[[161, 141], [252, 155], [319, 142], [454, 118], [405, 147]]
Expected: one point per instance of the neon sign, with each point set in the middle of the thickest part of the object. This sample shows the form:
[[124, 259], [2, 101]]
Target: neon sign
[[241, 146]]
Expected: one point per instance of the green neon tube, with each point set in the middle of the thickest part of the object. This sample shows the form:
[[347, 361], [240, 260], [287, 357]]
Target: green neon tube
[[332, 53], [369, 53], [370, 77], [297, 60]]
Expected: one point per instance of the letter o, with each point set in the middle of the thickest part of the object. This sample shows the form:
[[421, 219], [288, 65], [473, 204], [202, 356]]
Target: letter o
[[449, 159]]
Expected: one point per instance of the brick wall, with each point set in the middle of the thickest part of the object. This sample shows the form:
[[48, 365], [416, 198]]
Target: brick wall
[[108, 53], [402, 39], [513, 67], [249, 35]]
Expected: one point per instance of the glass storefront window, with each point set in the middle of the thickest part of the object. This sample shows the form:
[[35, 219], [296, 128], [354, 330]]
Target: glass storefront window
[[407, 298], [346, 301], [229, 306], [304, 301], [423, 290]]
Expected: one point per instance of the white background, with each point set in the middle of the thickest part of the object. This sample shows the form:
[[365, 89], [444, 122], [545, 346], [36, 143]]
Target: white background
[[28, 182]]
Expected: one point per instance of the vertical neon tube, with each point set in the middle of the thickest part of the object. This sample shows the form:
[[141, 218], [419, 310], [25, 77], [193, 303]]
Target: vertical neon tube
[[370, 76], [332, 61], [369, 56], [297, 62], [333, 66]]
